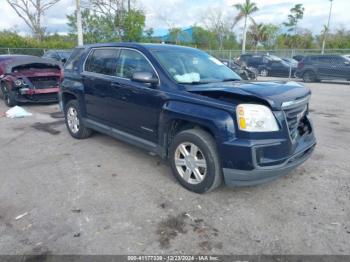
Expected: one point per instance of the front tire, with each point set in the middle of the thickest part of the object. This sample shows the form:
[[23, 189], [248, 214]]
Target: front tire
[[8, 96], [74, 121], [194, 161]]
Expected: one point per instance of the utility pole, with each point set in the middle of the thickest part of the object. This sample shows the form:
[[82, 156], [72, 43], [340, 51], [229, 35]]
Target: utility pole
[[79, 24], [129, 6], [327, 28]]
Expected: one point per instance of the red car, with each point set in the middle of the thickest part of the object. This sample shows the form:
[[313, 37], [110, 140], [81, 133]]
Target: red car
[[26, 78]]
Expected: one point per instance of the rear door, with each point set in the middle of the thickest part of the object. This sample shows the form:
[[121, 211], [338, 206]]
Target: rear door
[[99, 71]]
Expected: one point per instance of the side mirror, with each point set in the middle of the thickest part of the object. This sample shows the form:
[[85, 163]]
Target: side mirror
[[145, 77]]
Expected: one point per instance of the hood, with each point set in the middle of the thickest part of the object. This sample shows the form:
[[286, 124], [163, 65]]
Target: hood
[[274, 93]]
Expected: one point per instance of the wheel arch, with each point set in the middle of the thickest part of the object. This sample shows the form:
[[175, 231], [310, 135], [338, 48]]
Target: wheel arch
[[178, 116]]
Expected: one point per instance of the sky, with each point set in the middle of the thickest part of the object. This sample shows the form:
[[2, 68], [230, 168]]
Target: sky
[[162, 14]]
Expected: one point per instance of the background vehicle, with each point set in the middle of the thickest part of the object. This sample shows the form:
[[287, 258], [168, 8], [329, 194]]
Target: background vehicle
[[290, 61], [28, 79], [246, 73], [277, 68], [256, 60], [324, 67], [58, 55], [189, 108]]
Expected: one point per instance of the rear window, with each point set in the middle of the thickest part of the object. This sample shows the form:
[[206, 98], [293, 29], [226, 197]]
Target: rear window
[[73, 61], [102, 61]]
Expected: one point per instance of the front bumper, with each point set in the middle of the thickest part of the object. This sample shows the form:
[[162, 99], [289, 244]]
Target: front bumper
[[262, 174], [47, 95]]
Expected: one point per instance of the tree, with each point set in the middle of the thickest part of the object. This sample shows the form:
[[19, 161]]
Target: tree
[[175, 34], [31, 12], [106, 25], [218, 23], [245, 11], [149, 33], [133, 25], [258, 34], [296, 14]]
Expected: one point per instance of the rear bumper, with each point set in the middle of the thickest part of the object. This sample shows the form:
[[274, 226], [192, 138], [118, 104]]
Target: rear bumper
[[259, 175]]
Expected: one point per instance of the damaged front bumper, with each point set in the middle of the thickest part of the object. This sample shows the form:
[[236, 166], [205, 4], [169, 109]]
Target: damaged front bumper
[[262, 174], [46, 95]]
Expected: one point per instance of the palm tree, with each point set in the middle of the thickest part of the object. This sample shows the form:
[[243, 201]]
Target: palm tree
[[245, 10], [258, 33]]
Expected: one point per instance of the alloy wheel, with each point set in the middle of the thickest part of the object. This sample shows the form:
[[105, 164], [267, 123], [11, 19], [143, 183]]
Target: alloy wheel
[[190, 163], [73, 120]]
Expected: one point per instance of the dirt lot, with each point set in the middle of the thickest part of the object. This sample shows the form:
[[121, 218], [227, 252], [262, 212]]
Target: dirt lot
[[102, 196]]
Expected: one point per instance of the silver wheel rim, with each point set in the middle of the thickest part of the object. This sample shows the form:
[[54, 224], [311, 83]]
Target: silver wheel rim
[[264, 72], [190, 163], [73, 120]]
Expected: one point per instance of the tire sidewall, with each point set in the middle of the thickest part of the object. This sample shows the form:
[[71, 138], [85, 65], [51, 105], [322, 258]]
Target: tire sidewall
[[212, 166]]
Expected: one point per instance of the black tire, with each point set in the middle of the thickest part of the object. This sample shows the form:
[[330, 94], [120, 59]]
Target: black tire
[[83, 132], [206, 144], [309, 77], [8, 95]]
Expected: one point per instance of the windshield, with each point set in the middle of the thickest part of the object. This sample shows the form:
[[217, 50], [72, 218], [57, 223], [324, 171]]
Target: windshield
[[190, 66]]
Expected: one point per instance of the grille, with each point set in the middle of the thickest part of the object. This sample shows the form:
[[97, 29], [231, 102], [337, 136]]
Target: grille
[[44, 82], [293, 116]]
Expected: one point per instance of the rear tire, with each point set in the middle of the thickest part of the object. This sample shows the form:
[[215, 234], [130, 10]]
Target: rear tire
[[309, 77], [200, 150], [74, 121]]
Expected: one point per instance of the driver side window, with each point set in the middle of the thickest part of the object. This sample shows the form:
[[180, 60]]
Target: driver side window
[[131, 61]]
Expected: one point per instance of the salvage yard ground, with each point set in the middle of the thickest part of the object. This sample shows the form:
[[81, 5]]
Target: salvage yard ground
[[102, 196]]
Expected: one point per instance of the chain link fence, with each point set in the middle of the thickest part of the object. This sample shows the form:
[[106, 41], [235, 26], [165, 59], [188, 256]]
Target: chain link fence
[[306, 64]]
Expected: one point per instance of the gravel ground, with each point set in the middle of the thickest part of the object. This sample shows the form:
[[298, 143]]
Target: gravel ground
[[102, 196]]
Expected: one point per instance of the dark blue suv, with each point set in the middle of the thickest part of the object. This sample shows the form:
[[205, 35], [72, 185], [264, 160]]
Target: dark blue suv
[[189, 108]]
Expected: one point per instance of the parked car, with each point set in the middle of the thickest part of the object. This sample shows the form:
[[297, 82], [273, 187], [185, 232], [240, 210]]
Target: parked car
[[58, 55], [246, 73], [189, 108], [324, 67], [290, 61], [255, 60], [277, 68], [26, 78]]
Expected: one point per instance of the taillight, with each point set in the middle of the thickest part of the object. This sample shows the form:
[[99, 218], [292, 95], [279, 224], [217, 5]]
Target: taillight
[[300, 65]]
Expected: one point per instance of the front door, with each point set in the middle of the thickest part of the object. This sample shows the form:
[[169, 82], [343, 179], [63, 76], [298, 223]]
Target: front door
[[137, 106]]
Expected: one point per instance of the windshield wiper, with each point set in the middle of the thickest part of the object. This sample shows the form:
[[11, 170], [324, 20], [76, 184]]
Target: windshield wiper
[[230, 79], [196, 83]]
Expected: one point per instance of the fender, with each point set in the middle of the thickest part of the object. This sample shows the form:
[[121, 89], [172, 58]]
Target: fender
[[73, 86], [218, 121]]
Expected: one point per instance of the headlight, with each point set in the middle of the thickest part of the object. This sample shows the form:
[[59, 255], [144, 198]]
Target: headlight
[[255, 118], [18, 82]]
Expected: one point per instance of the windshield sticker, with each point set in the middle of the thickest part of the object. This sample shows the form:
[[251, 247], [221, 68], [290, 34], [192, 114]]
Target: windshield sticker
[[188, 78]]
